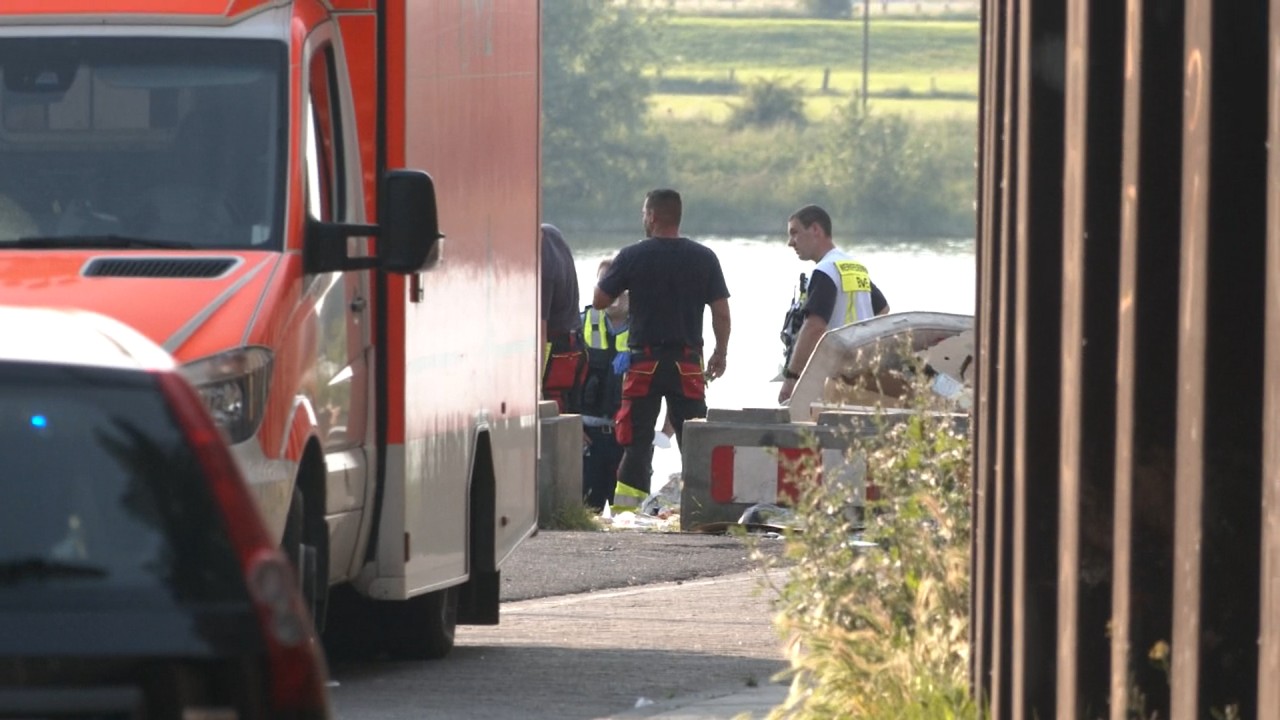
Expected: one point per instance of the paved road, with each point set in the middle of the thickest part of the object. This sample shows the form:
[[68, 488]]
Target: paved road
[[561, 563], [591, 623]]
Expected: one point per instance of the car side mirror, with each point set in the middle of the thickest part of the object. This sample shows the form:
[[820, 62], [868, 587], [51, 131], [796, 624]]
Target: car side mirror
[[409, 236]]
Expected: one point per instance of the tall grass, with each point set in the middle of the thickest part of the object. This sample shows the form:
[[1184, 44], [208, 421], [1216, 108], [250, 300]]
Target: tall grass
[[882, 631]]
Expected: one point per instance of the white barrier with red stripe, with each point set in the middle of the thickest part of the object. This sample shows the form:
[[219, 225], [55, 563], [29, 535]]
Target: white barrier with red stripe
[[755, 474], [738, 458]]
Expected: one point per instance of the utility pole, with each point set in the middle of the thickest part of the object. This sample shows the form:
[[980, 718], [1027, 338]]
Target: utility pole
[[866, 47]]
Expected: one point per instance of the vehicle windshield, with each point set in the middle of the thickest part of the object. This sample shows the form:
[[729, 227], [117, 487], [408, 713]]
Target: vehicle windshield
[[103, 498], [174, 141]]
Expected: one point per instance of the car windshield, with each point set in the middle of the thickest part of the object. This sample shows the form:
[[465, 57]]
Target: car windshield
[[102, 497], [175, 141]]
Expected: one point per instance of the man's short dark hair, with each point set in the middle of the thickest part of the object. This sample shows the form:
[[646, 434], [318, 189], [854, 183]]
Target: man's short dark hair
[[665, 205], [810, 214]]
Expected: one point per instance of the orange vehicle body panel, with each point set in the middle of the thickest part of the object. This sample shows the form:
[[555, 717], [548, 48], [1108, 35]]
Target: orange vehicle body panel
[[177, 9], [462, 103], [459, 340], [495, 248], [29, 275]]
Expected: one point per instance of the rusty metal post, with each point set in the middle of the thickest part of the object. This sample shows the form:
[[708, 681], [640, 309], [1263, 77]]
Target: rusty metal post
[[999, 533], [1123, 272], [1090, 277], [1036, 343]]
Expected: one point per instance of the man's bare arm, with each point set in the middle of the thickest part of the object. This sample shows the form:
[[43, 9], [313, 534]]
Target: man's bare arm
[[601, 299], [720, 326], [810, 333]]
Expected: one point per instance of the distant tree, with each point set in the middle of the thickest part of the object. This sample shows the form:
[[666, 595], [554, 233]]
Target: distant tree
[[596, 149], [767, 103], [829, 8]]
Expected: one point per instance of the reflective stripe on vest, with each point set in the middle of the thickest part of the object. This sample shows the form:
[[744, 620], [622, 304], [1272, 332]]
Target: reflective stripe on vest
[[626, 497], [595, 331]]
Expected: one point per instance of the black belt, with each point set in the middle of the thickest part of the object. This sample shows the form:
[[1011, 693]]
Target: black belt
[[562, 341], [669, 350]]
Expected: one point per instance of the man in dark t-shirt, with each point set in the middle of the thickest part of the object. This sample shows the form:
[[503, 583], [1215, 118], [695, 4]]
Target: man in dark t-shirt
[[671, 280], [564, 359]]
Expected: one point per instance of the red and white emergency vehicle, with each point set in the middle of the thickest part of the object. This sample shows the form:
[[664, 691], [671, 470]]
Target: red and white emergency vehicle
[[226, 177]]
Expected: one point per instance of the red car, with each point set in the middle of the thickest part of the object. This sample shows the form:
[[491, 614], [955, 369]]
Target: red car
[[136, 576]]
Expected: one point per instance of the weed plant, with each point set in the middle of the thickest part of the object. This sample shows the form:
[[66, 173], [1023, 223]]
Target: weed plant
[[571, 516], [876, 616]]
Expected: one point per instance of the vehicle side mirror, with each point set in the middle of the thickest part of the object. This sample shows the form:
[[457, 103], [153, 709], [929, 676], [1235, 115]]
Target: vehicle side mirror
[[409, 236]]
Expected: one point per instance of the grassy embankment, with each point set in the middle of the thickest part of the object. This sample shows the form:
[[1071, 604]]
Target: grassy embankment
[[925, 71], [922, 68]]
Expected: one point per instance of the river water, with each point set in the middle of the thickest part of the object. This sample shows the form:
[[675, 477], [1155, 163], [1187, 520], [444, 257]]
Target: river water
[[762, 275]]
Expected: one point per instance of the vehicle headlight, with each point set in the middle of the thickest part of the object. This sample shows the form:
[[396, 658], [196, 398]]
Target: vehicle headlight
[[234, 388]]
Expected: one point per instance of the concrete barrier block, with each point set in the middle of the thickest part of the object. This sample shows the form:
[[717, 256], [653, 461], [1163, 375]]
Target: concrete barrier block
[[730, 465], [559, 462], [749, 415]]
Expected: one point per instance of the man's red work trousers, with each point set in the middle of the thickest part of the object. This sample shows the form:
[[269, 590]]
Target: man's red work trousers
[[671, 373]]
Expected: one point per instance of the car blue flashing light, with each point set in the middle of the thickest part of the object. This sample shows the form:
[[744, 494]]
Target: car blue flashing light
[[39, 421]]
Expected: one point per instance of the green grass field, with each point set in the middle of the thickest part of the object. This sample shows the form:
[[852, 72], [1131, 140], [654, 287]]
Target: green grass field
[[896, 46], [926, 69]]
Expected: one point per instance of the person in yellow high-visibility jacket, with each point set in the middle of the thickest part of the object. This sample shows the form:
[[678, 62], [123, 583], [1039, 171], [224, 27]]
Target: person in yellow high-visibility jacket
[[605, 334]]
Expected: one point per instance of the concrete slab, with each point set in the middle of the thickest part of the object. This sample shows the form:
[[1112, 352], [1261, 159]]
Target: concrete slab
[[559, 460], [731, 465]]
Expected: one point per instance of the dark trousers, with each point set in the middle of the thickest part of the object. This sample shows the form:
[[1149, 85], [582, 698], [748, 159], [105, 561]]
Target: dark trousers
[[600, 458], [673, 375]]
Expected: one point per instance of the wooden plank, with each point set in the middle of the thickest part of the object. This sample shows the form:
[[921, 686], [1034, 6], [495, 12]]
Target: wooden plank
[[1074, 271], [1127, 364], [1002, 552], [1184, 679], [986, 326], [1269, 576]]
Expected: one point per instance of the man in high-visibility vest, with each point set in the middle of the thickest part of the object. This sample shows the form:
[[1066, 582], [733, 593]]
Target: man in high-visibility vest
[[605, 334], [840, 291]]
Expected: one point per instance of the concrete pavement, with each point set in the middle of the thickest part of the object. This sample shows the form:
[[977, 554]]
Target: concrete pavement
[[691, 648], [723, 625], [749, 704]]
